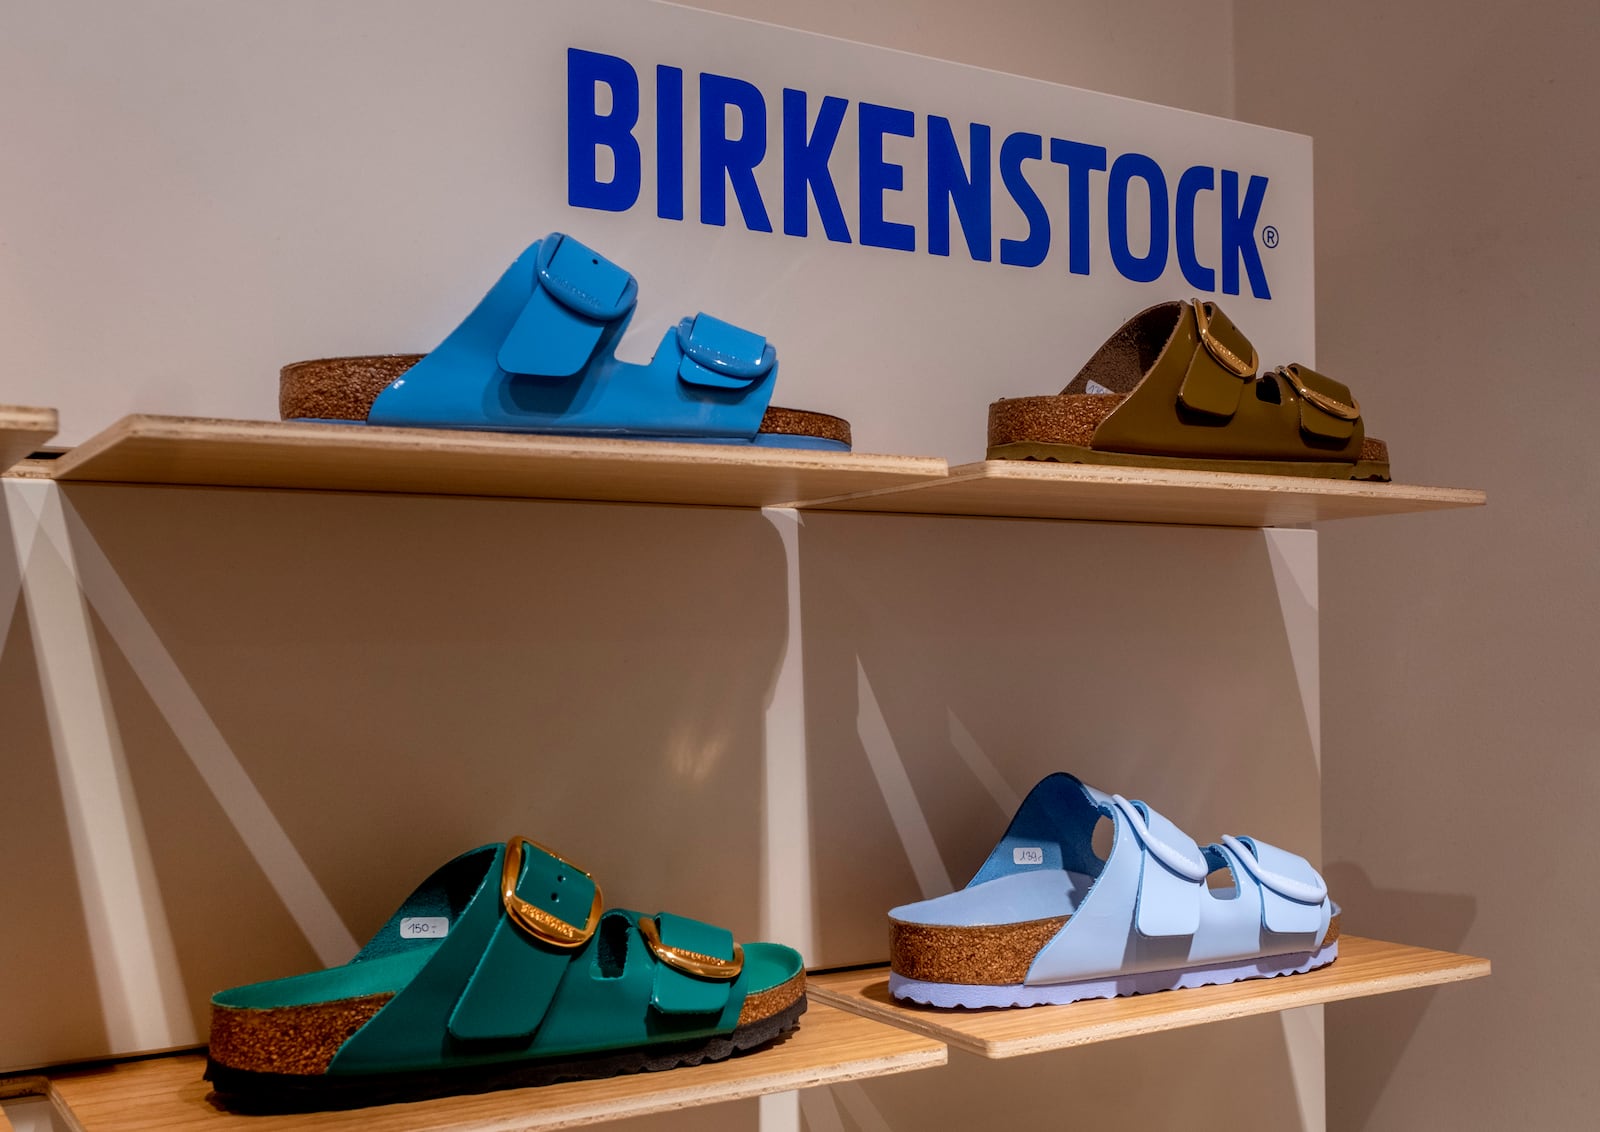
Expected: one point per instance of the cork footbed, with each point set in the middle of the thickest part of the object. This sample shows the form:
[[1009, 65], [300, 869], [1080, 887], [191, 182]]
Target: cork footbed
[[302, 1040], [343, 389], [989, 955], [1071, 419]]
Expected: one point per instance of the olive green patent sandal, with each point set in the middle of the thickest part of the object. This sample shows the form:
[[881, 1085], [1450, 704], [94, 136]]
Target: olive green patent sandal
[[1179, 386], [500, 971]]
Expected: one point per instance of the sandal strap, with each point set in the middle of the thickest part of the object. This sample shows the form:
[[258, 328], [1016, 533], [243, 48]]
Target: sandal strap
[[555, 317], [1174, 872], [576, 294], [677, 943], [1220, 368], [1292, 892], [1185, 368], [1327, 408], [521, 969], [519, 953], [721, 355], [1146, 909]]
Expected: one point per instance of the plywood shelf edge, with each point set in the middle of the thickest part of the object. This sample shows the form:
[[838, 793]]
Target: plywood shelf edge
[[1364, 967], [291, 455], [830, 1047], [1022, 489], [22, 431]]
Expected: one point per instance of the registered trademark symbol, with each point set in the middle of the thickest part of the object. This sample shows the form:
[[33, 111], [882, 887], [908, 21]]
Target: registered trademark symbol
[[1269, 236]]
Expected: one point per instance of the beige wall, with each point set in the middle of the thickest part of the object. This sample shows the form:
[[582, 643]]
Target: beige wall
[[1458, 278], [1165, 51], [1458, 206], [1460, 256]]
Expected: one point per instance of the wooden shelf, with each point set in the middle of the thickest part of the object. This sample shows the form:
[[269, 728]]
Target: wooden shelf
[[22, 431], [330, 457], [1364, 967], [1106, 493], [166, 1094], [18, 1088], [323, 457]]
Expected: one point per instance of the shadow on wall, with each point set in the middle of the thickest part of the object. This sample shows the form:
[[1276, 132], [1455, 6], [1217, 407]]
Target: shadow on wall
[[47, 972], [951, 664], [320, 698], [1182, 1079], [317, 698], [1373, 1033]]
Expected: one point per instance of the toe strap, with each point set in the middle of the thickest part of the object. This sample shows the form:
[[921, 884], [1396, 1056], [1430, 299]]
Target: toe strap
[[696, 964], [1292, 892], [720, 355]]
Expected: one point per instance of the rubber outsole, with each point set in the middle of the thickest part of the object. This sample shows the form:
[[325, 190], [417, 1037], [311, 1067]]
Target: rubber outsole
[[242, 1091], [979, 997]]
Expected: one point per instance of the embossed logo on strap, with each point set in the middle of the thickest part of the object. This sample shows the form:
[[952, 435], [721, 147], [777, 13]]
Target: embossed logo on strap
[[583, 280]]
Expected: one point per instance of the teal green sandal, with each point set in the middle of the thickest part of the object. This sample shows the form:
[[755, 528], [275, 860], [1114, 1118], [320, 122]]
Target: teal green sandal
[[501, 971]]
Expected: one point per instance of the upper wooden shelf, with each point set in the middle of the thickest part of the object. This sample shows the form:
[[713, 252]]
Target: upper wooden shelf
[[831, 1046], [1106, 493], [1364, 967], [22, 431], [330, 457]]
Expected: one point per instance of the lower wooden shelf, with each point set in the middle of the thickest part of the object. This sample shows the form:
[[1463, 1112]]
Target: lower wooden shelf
[[22, 431], [1364, 967], [166, 1094], [1108, 493], [330, 457]]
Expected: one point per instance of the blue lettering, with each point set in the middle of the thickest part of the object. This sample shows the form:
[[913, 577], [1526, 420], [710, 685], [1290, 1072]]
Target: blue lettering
[[1239, 234], [669, 143], [1029, 252], [588, 130], [1080, 159], [1195, 180], [879, 176], [805, 166], [950, 184], [1148, 267], [733, 158], [734, 128]]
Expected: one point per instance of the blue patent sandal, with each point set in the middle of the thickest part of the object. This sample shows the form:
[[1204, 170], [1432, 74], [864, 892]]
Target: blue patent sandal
[[538, 354], [1046, 920]]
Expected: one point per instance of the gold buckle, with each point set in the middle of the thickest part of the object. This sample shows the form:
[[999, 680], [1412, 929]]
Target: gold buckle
[[535, 920], [1229, 361], [690, 962], [1329, 405]]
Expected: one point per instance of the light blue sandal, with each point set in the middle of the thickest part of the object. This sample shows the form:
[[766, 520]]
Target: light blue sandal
[[1047, 921], [538, 354]]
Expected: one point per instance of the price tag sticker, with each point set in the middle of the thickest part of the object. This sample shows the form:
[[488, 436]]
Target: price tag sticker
[[424, 927]]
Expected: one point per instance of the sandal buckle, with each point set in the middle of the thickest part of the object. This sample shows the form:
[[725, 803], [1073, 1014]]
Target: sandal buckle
[[1330, 405], [690, 962], [1225, 357], [535, 920]]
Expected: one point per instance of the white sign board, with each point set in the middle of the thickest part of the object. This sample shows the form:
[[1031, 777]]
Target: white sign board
[[194, 196]]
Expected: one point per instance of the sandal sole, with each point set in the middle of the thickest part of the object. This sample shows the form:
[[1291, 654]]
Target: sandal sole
[[1076, 454], [244, 1091], [985, 955], [966, 996], [342, 390]]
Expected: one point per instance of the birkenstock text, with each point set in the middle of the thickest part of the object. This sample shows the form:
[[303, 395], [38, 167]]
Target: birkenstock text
[[1152, 211]]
